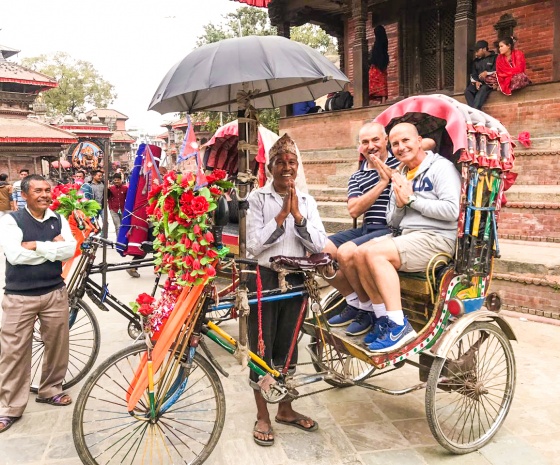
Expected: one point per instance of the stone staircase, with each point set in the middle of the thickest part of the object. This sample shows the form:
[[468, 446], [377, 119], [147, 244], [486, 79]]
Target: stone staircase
[[527, 275]]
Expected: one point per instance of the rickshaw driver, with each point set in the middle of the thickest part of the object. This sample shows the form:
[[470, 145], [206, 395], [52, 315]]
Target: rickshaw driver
[[424, 206]]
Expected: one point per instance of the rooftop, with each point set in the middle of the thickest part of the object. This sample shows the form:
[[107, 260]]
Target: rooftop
[[22, 130]]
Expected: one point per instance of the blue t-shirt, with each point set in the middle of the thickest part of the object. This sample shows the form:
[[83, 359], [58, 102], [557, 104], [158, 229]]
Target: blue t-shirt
[[364, 180]]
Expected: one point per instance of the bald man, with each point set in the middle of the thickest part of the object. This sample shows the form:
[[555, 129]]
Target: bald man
[[424, 208]]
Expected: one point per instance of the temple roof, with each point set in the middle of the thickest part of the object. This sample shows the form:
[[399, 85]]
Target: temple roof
[[23, 130], [11, 72], [122, 137], [163, 136], [7, 52], [105, 112]]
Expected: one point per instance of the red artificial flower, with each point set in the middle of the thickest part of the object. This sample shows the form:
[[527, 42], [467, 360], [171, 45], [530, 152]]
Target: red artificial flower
[[145, 310], [169, 204], [219, 174], [195, 247], [210, 271], [145, 299], [156, 189], [151, 208], [187, 241], [211, 253], [215, 190], [199, 205], [55, 204], [209, 237], [196, 264], [196, 229], [187, 197]]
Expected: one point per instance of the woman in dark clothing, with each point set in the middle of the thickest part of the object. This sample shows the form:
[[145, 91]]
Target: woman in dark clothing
[[379, 60]]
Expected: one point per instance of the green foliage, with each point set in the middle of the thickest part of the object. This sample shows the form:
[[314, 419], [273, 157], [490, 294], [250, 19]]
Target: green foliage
[[79, 84], [255, 21]]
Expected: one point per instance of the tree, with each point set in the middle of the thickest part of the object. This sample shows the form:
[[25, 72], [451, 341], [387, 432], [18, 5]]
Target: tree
[[254, 21], [79, 84]]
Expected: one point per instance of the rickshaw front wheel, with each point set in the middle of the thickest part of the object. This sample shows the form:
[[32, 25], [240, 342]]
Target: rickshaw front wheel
[[470, 390]]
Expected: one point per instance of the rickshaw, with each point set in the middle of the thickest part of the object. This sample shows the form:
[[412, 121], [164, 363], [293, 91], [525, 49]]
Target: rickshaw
[[169, 407]]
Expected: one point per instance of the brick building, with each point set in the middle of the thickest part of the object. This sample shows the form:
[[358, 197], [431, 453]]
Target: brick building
[[430, 50]]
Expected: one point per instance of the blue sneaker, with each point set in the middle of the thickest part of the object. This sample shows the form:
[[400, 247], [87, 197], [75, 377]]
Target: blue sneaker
[[393, 337], [377, 330], [361, 324], [345, 317]]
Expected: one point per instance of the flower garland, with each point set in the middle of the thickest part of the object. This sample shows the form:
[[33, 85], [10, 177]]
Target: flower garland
[[180, 213], [67, 199]]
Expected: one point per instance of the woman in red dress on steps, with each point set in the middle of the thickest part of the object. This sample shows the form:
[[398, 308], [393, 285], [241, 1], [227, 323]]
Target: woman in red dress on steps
[[509, 63], [379, 60]]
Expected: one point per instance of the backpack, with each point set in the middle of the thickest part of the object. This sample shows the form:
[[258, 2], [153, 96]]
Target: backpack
[[339, 101]]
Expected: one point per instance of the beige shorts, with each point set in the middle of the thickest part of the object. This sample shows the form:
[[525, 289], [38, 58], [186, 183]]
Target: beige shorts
[[416, 248]]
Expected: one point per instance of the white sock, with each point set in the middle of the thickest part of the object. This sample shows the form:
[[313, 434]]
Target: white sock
[[397, 316], [365, 306], [379, 310], [352, 299]]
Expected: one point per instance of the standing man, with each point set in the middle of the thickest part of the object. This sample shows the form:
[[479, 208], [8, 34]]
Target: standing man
[[6, 200], [116, 195], [281, 221], [35, 241], [97, 186], [483, 70], [424, 207], [19, 203], [368, 195]]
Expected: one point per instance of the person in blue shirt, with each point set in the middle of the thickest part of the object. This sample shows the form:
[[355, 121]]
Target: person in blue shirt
[[303, 108]]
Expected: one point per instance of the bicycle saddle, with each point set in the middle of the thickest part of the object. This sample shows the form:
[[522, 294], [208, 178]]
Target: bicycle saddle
[[301, 263]]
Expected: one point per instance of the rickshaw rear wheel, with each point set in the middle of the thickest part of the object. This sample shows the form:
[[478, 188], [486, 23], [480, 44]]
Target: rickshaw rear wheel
[[358, 370], [470, 390], [104, 432]]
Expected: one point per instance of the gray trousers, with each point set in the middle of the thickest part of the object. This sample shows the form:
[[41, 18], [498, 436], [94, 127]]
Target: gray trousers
[[16, 334]]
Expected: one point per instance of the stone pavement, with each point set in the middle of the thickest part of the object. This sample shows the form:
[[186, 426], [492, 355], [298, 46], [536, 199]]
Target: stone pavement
[[357, 426]]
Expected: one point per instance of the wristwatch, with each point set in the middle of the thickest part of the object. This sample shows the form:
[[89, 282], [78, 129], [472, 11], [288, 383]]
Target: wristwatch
[[411, 199]]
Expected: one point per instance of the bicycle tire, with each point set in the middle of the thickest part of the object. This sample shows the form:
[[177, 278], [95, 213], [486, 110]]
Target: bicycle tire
[[84, 348], [104, 394], [332, 305], [468, 385]]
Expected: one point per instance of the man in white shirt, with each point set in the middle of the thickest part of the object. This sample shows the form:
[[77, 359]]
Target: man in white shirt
[[35, 241], [281, 221]]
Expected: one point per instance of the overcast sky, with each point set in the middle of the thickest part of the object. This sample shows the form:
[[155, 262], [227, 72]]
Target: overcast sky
[[132, 43]]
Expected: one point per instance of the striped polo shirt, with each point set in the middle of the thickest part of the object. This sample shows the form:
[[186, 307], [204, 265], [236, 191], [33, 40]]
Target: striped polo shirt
[[364, 180]]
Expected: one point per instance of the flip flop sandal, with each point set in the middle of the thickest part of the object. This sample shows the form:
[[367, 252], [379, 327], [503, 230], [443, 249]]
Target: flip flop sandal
[[295, 423], [7, 422], [59, 400], [263, 442]]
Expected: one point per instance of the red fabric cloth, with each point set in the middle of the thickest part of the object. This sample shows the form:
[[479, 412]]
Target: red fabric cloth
[[505, 69], [259, 3], [377, 83]]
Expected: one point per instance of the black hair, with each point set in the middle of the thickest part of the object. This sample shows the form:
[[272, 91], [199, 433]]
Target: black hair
[[508, 41], [24, 170], [3, 177], [25, 182], [94, 172], [117, 176], [379, 56]]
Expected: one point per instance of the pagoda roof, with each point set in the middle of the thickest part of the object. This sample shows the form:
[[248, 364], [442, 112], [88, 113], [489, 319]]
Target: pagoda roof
[[24, 131], [184, 122], [87, 130], [105, 112], [7, 52], [122, 137], [12, 72], [163, 136]]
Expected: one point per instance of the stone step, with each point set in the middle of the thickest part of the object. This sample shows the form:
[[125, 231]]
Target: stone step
[[531, 221], [537, 167], [333, 209], [320, 191], [533, 193], [318, 172], [334, 225], [527, 277]]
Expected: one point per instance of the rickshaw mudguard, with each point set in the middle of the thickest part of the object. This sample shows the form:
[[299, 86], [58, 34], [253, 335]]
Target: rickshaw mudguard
[[454, 331]]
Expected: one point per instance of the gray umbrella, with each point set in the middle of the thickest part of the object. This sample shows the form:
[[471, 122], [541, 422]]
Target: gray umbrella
[[283, 71]]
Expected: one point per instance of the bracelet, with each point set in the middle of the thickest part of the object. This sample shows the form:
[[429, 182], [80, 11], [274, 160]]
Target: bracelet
[[302, 223]]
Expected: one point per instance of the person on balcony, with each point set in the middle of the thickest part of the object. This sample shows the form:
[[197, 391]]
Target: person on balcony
[[423, 212], [378, 61], [281, 220], [510, 66], [483, 76]]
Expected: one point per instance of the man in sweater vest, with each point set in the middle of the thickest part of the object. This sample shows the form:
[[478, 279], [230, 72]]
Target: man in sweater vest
[[35, 241]]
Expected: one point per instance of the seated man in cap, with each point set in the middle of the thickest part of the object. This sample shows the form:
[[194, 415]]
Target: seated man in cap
[[482, 76], [281, 221]]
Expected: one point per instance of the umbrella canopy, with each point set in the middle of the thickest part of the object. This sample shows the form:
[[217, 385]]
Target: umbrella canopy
[[273, 70], [259, 3]]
